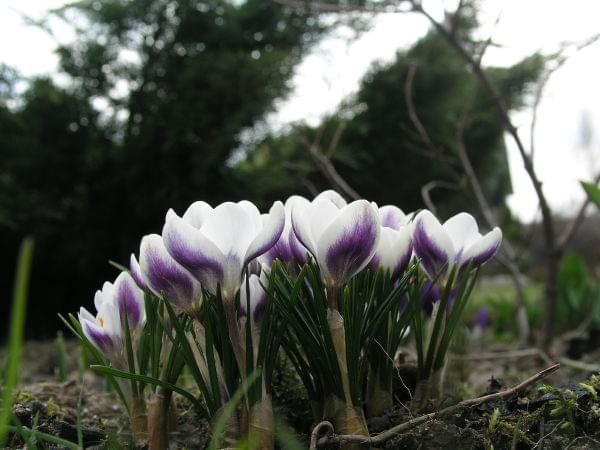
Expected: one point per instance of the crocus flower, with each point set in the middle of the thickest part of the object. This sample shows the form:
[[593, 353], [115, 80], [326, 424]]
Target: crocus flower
[[114, 303], [395, 243], [164, 276], [341, 238], [136, 272], [482, 318], [456, 242], [258, 297], [215, 245], [288, 248]]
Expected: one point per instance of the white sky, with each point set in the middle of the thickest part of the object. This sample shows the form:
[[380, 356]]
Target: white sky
[[335, 67]]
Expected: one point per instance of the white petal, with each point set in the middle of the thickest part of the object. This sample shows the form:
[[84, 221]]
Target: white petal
[[231, 228], [332, 196], [321, 214], [301, 226], [253, 213], [432, 243], [197, 213], [269, 234], [484, 249], [462, 229]]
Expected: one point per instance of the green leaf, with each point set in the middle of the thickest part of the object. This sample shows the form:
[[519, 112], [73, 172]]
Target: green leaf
[[17, 326], [28, 433], [149, 380], [592, 191]]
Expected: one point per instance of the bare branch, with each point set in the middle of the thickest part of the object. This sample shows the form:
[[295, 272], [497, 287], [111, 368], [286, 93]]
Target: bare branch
[[386, 435], [428, 187], [324, 164], [571, 229], [383, 7]]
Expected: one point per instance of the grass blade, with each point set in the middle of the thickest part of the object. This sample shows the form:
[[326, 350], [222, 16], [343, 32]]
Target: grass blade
[[17, 326]]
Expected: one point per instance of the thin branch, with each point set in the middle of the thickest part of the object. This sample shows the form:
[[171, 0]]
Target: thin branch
[[386, 435], [316, 432], [571, 229], [325, 165], [428, 187], [344, 8], [432, 150]]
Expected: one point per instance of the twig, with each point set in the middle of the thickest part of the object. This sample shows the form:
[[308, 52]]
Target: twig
[[580, 365], [343, 8], [384, 436], [324, 163], [316, 432], [432, 151], [510, 354], [428, 187]]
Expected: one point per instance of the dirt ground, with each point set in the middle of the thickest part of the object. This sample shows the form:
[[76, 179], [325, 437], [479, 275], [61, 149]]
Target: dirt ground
[[566, 416]]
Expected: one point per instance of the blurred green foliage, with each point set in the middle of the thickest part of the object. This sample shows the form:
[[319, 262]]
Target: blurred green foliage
[[161, 98]]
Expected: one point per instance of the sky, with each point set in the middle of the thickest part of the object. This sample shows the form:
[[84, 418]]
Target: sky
[[333, 70]]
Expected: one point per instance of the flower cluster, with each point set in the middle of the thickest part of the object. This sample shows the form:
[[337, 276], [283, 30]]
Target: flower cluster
[[336, 266]]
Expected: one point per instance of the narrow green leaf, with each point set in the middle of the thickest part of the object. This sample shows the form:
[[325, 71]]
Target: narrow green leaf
[[17, 327]]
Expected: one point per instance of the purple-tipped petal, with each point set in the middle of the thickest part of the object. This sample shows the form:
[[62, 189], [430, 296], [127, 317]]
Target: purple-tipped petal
[[392, 217], [348, 244], [130, 300], [298, 250], [269, 234], [164, 276], [484, 249], [431, 243], [463, 232], [258, 298], [194, 251], [98, 336], [394, 251], [136, 272]]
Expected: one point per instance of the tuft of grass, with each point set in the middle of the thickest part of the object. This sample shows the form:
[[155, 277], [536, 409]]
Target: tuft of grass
[[15, 343]]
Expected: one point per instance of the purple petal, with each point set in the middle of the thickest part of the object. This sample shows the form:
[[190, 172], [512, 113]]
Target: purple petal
[[482, 318], [392, 217], [165, 276], [130, 299], [484, 249], [190, 248], [258, 298], [349, 243], [136, 272], [430, 293], [97, 336], [431, 244]]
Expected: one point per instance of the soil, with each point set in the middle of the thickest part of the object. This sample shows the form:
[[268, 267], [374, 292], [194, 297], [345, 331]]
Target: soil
[[564, 416]]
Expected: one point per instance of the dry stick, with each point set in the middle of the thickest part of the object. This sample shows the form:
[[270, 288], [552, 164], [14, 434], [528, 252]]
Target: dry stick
[[509, 260], [386, 435], [510, 354], [316, 432], [428, 187], [324, 163]]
